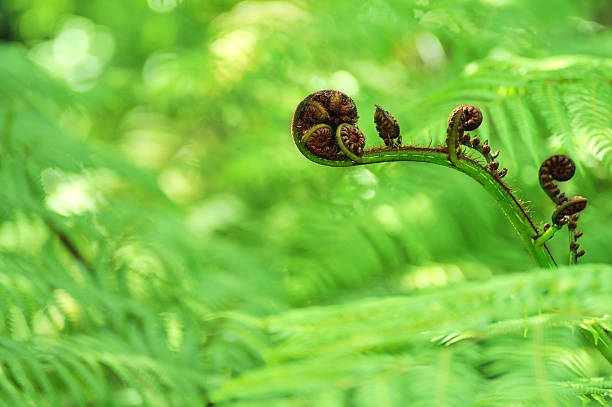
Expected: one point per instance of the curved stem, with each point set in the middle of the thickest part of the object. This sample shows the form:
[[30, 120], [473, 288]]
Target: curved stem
[[453, 137], [546, 236], [509, 205], [440, 156]]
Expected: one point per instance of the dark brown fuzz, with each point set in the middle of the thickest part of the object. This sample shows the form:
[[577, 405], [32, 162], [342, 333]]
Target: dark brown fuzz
[[340, 107], [472, 117], [387, 127], [314, 113]]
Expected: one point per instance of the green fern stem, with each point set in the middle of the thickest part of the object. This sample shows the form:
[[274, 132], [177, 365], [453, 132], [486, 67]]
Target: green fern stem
[[502, 195], [452, 138], [546, 236]]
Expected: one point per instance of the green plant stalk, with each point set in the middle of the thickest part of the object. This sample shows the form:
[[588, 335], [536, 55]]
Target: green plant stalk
[[546, 236], [600, 339], [508, 204]]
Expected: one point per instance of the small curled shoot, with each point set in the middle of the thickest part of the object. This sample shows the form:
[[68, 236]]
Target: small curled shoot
[[468, 117], [462, 118], [320, 141], [351, 141], [562, 168], [472, 117], [564, 212], [556, 168]]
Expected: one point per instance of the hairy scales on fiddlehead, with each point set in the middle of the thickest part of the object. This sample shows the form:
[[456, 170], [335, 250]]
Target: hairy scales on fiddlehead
[[325, 124], [324, 128], [562, 168], [352, 141], [567, 209], [467, 118], [319, 140], [556, 168], [387, 127]]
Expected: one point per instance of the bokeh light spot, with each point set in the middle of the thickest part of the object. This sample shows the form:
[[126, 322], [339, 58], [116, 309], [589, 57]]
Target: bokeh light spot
[[430, 50]]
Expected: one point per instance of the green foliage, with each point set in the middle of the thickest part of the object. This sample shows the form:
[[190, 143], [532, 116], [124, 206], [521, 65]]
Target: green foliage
[[163, 243]]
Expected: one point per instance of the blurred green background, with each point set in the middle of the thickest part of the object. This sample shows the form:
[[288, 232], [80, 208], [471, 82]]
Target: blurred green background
[[163, 242]]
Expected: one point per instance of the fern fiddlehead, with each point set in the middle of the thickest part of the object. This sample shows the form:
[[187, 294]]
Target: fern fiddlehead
[[467, 118], [556, 168], [351, 141], [325, 113], [562, 168]]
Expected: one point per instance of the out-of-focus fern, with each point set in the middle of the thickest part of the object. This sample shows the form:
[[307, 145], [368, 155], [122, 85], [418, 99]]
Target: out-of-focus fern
[[161, 243], [468, 334]]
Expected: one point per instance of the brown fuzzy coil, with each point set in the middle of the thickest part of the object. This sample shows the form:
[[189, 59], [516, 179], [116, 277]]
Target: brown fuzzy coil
[[323, 143], [556, 168], [340, 107], [353, 139], [314, 113], [472, 117], [330, 108], [570, 207]]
